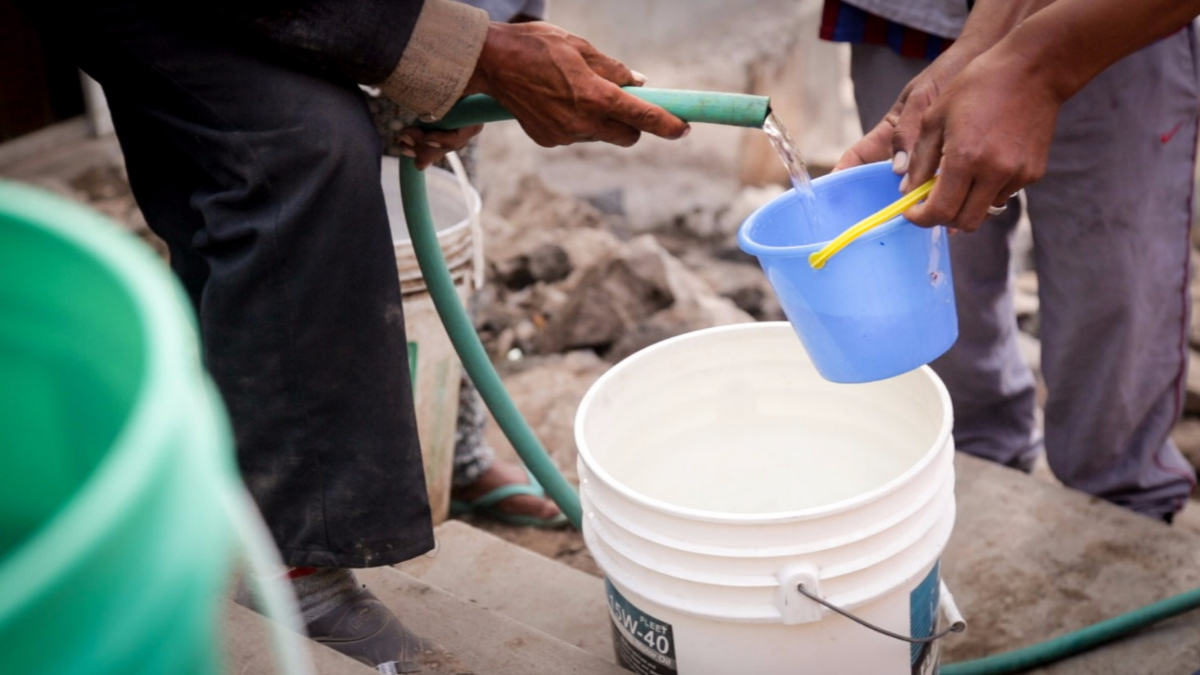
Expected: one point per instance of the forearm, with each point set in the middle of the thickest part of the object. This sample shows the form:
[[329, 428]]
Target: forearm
[[991, 20], [1070, 42]]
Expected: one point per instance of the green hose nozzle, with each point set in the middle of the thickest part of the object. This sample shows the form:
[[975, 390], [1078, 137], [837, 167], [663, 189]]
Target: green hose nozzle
[[737, 110]]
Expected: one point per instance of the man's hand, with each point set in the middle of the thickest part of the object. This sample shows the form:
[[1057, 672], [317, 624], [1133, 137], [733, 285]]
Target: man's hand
[[896, 134], [429, 147], [989, 133], [562, 90]]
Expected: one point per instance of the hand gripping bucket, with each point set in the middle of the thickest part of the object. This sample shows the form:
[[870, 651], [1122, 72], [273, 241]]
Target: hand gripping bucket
[[879, 308]]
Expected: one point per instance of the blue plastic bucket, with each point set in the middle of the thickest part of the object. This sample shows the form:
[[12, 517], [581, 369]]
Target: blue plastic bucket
[[882, 306]]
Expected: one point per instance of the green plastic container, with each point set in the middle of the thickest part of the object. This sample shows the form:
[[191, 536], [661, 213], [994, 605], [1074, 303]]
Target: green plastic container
[[115, 454]]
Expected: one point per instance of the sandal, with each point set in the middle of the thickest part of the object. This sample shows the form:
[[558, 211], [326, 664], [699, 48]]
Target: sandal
[[489, 505]]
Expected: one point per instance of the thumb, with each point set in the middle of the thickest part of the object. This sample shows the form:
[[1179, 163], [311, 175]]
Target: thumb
[[904, 137]]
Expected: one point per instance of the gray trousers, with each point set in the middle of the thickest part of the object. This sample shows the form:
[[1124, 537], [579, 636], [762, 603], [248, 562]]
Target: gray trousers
[[1111, 223]]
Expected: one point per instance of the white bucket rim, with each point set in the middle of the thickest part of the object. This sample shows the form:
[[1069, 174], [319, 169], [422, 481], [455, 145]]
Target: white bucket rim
[[585, 454], [474, 205]]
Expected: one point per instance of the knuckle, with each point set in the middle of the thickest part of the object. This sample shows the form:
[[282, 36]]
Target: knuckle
[[611, 98], [647, 118], [937, 214], [575, 128]]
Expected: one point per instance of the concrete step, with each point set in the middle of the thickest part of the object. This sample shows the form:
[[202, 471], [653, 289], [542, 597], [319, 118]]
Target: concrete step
[[488, 642], [533, 589], [1030, 560], [248, 648]]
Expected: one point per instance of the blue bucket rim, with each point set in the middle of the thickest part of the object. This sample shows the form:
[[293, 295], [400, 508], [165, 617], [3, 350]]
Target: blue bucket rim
[[762, 250]]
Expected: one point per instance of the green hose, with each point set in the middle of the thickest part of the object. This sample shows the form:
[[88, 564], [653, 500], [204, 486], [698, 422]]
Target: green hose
[[736, 110], [1082, 640], [470, 350], [730, 109]]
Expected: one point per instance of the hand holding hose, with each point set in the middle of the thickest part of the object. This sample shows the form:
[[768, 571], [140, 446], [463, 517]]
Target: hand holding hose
[[562, 90]]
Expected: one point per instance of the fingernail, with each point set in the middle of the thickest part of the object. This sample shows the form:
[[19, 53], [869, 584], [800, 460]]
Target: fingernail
[[904, 184], [638, 78], [900, 162], [686, 130], [405, 139], [408, 153], [434, 144]]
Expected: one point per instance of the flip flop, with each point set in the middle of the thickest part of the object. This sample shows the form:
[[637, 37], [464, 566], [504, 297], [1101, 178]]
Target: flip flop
[[488, 505]]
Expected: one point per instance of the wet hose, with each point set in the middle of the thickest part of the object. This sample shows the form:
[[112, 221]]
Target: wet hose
[[718, 108]]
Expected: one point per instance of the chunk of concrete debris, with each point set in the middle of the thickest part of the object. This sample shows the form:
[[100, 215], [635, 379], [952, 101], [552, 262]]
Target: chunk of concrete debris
[[612, 297], [639, 295]]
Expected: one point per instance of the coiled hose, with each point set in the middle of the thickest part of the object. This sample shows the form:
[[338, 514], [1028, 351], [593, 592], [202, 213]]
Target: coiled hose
[[718, 108]]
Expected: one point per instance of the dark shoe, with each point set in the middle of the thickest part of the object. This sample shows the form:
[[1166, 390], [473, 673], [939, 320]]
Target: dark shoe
[[367, 631]]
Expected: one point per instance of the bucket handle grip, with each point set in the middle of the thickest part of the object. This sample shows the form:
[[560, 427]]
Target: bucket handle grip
[[957, 624]]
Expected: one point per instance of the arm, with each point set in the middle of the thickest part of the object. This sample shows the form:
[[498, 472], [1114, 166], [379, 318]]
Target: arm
[[990, 130]]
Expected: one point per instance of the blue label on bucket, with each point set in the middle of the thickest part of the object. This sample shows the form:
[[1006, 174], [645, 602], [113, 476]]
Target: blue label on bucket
[[923, 615], [642, 643]]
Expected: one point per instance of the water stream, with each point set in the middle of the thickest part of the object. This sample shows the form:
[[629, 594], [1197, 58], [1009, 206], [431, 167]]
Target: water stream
[[808, 221]]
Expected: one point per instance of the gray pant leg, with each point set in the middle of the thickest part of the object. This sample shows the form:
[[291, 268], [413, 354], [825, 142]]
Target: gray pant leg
[[879, 75], [1111, 222], [992, 387]]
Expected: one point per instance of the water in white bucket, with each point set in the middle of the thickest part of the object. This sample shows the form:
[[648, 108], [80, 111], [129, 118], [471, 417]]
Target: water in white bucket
[[793, 463]]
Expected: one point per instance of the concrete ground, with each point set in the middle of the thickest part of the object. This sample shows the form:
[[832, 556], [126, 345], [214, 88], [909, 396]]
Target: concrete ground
[[1029, 560]]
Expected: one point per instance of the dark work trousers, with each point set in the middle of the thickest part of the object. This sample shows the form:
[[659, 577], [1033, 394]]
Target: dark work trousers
[[264, 180]]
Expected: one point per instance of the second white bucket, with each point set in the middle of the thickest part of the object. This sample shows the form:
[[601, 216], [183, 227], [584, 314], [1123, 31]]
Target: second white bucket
[[720, 473], [436, 369]]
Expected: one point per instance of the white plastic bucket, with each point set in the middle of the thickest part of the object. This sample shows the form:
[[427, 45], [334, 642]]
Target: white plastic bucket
[[436, 369], [719, 471]]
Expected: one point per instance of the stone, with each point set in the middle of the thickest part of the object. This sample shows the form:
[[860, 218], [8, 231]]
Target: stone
[[718, 224], [537, 207], [550, 263], [637, 296], [742, 283], [612, 297], [696, 306], [748, 200], [610, 202], [547, 262]]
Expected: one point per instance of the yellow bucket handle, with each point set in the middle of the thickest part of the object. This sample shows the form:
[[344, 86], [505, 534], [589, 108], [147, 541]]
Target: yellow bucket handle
[[819, 258]]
